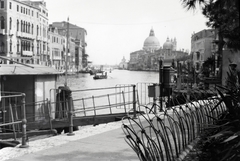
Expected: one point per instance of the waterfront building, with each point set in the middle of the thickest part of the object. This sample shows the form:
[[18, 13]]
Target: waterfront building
[[21, 28], [202, 47], [148, 58], [56, 47], [123, 64], [42, 31], [78, 56]]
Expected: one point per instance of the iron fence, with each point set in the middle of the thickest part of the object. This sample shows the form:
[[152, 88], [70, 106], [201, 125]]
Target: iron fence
[[166, 135], [13, 113]]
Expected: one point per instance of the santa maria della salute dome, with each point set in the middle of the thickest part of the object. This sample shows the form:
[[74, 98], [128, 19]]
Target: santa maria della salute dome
[[152, 44], [147, 58]]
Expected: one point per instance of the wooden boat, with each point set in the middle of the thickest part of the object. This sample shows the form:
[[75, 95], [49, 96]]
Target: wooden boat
[[100, 76]]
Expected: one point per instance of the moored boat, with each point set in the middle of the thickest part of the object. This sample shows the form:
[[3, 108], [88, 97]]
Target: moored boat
[[100, 76]]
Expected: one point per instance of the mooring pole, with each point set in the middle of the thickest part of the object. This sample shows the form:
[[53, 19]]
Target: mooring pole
[[134, 102], [70, 106], [24, 123], [161, 83]]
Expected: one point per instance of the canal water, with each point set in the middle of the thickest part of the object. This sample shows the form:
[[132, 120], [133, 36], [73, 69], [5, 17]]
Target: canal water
[[83, 81], [98, 98]]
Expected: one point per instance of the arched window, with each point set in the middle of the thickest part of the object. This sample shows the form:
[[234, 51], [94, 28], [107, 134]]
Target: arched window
[[10, 45], [2, 47], [17, 46], [32, 28], [37, 30], [21, 26], [40, 33], [29, 28], [10, 23], [198, 55], [37, 48], [25, 26], [23, 45], [2, 23], [17, 25], [29, 46], [32, 47]]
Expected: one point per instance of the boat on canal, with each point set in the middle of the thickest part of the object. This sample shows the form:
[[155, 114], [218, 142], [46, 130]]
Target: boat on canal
[[100, 76]]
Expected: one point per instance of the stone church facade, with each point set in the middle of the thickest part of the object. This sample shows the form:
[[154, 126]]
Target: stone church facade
[[148, 58]]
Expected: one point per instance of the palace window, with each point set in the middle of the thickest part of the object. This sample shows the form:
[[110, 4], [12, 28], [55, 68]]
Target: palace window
[[37, 30], [17, 25], [28, 45], [32, 28], [17, 46], [10, 5], [29, 26], [10, 46], [10, 23], [198, 55], [23, 29], [22, 45], [2, 23], [17, 8], [37, 48], [2, 4], [2, 47], [44, 46], [21, 26]]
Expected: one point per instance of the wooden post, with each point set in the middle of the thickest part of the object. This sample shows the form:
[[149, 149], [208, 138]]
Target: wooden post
[[70, 113], [161, 83], [24, 123], [134, 102], [179, 75]]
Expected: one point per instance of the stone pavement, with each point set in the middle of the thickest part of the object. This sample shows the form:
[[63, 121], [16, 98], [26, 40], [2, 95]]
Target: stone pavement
[[107, 146]]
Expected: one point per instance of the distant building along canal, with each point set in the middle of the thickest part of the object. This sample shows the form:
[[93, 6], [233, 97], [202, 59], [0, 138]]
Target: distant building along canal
[[147, 59]]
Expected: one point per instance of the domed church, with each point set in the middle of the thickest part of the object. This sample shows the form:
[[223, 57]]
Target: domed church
[[170, 45], [151, 43], [147, 59]]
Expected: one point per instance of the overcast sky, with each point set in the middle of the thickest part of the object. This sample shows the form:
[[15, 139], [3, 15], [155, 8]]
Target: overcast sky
[[115, 28]]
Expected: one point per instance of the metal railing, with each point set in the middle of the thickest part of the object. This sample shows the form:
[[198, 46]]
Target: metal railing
[[165, 136], [12, 103], [118, 99]]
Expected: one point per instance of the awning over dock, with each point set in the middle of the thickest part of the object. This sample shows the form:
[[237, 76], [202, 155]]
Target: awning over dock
[[30, 69]]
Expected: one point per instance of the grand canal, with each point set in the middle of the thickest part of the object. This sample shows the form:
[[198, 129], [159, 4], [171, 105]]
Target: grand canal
[[83, 81], [82, 85]]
